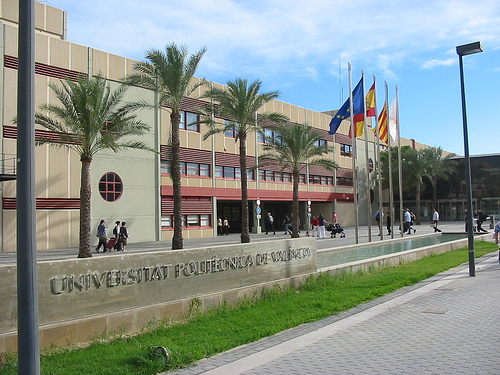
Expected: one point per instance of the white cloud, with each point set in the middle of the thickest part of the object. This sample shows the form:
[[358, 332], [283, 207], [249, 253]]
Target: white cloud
[[434, 63]]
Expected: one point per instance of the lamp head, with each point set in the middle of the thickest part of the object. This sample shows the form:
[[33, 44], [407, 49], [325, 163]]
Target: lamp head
[[469, 49]]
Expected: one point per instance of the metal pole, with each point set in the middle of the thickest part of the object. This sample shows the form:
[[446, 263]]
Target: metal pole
[[468, 184], [27, 280]]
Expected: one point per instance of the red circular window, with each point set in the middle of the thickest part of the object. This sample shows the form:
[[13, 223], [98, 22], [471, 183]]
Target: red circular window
[[110, 187]]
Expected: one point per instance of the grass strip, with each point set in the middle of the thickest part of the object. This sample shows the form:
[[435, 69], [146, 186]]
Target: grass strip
[[204, 334]]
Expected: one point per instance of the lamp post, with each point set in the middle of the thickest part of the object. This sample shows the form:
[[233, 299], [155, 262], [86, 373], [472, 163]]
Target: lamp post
[[463, 50]]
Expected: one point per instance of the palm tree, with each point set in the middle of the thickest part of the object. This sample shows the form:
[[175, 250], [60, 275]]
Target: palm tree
[[240, 103], [437, 166], [90, 119], [416, 169], [170, 74], [296, 145]]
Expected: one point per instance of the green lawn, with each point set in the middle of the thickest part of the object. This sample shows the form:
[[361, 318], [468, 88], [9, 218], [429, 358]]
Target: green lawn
[[205, 334]]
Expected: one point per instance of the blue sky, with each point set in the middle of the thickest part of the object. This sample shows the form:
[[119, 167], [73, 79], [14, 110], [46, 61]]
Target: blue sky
[[302, 49]]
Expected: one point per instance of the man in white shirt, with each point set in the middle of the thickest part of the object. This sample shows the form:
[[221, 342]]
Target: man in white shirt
[[435, 220]]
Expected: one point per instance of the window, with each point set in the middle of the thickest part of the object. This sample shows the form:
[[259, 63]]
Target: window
[[189, 121], [110, 187], [269, 134], [192, 220], [345, 150], [204, 170], [165, 166], [233, 173], [188, 169], [321, 143], [370, 165], [232, 129], [344, 181]]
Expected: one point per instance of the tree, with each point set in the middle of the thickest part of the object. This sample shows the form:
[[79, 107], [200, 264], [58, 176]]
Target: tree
[[169, 74], [437, 166], [90, 119], [239, 103], [295, 146], [416, 169]]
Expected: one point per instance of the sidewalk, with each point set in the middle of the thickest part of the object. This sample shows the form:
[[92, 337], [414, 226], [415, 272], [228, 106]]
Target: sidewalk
[[447, 324], [322, 244]]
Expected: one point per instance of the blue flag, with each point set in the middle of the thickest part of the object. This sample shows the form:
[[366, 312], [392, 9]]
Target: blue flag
[[341, 114]]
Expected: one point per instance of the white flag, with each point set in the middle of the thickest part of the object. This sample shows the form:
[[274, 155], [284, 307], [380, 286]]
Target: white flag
[[393, 121]]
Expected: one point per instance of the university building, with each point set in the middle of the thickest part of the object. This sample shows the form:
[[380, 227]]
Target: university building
[[134, 186]]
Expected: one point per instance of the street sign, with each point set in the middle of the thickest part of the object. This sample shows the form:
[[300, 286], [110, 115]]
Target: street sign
[[258, 209]]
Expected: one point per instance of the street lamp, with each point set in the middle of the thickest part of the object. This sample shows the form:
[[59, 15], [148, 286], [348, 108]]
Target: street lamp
[[463, 50]]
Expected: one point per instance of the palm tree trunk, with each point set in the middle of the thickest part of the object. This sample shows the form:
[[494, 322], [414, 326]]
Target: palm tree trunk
[[434, 192], [417, 199], [85, 191], [295, 205], [245, 234], [177, 240]]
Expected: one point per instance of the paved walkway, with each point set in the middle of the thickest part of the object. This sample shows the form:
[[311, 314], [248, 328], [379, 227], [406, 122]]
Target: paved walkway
[[448, 324], [191, 243]]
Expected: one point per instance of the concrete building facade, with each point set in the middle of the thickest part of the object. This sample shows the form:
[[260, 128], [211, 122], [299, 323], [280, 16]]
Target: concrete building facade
[[135, 186]]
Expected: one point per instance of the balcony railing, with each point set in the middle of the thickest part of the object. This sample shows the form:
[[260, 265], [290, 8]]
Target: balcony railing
[[8, 167]]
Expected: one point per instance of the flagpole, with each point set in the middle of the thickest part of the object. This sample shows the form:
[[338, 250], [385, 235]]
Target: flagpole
[[389, 143], [377, 158], [354, 167], [365, 129], [400, 170]]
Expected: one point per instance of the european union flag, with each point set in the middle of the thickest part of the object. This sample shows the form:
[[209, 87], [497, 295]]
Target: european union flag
[[342, 113]]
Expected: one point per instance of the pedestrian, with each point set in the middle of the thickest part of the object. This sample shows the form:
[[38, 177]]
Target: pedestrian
[[270, 223], [435, 220], [102, 235], [495, 236], [379, 218], [480, 220], [407, 224], [225, 227], [287, 222], [116, 233], [123, 236], [335, 218], [315, 225], [321, 226], [219, 226], [388, 221]]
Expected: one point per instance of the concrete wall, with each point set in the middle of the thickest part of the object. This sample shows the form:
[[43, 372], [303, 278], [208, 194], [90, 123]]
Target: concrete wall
[[82, 298]]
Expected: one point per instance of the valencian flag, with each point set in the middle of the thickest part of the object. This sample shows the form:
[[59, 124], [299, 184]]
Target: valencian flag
[[345, 111], [370, 102], [382, 125]]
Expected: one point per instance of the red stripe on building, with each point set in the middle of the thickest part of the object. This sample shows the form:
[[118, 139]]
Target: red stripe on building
[[45, 70], [46, 203]]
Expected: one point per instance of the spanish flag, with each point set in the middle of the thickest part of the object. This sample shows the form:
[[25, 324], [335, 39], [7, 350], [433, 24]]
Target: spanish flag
[[370, 102]]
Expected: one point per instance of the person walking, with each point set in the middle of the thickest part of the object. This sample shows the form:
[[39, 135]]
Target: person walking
[[388, 223], [379, 218], [435, 220], [481, 217], [270, 223], [225, 227], [123, 236], [407, 224], [315, 225], [495, 236], [321, 226], [335, 218], [103, 238], [116, 233], [287, 222], [219, 226]]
